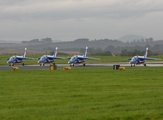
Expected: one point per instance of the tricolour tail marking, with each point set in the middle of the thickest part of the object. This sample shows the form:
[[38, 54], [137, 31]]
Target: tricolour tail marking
[[85, 53], [146, 53], [56, 52], [25, 52]]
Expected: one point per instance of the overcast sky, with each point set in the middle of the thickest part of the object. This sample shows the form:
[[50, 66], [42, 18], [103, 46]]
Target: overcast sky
[[72, 19]]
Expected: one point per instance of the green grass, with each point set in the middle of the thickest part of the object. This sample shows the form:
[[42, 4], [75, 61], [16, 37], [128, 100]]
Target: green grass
[[82, 94]]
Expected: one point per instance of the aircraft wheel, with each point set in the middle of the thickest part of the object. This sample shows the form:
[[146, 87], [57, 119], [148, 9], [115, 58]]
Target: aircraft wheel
[[84, 64], [23, 64], [144, 64]]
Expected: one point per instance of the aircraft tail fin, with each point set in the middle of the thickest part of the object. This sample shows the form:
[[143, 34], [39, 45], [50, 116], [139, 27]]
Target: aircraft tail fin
[[85, 53], [146, 53], [56, 52], [25, 52]]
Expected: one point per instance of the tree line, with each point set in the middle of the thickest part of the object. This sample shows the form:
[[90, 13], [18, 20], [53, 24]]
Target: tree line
[[122, 51], [44, 40]]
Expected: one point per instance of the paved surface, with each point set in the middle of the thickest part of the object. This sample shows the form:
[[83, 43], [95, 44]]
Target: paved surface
[[47, 66]]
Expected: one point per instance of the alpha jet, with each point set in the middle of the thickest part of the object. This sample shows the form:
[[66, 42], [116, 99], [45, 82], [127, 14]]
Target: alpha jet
[[137, 60], [78, 59], [49, 58], [18, 59]]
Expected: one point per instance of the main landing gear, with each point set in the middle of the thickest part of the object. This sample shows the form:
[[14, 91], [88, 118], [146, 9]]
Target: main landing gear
[[133, 65], [71, 65], [42, 64], [144, 65], [11, 64]]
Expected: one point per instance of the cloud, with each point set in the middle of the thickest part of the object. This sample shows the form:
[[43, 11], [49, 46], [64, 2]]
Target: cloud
[[71, 19], [77, 9]]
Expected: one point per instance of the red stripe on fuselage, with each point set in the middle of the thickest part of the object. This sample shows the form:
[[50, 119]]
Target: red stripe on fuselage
[[140, 62], [17, 61], [49, 61], [78, 62]]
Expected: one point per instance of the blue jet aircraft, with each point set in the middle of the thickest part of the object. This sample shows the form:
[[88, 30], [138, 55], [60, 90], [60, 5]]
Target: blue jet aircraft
[[18, 59], [77, 59], [137, 60], [49, 58]]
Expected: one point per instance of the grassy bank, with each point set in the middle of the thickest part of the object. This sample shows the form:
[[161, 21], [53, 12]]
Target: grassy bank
[[84, 94]]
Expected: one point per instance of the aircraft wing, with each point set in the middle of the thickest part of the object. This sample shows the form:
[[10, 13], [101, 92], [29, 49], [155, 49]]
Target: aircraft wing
[[68, 57], [89, 58], [128, 59], [27, 58], [56, 57], [152, 58], [60, 58]]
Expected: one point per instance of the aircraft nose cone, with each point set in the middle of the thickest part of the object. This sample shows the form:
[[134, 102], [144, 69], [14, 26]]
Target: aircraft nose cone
[[8, 61], [131, 62], [69, 62]]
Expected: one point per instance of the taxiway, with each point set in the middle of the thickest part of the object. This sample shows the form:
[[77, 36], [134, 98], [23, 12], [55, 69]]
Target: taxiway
[[47, 66]]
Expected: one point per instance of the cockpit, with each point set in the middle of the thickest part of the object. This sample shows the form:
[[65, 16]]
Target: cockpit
[[12, 57], [134, 58], [74, 57], [43, 57]]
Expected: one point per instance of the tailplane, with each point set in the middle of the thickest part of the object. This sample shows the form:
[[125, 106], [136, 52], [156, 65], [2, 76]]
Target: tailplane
[[55, 52], [146, 53], [85, 53], [25, 52]]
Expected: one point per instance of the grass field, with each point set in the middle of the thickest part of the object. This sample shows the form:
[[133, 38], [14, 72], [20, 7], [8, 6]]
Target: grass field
[[82, 94]]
